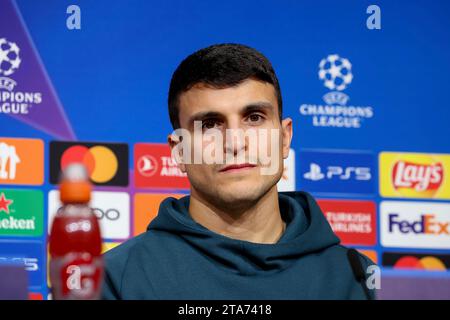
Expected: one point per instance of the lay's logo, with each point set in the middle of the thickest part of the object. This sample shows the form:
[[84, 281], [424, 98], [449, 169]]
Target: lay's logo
[[421, 177], [414, 175]]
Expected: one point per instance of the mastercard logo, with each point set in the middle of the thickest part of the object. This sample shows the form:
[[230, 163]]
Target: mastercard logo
[[424, 263], [101, 163], [106, 163]]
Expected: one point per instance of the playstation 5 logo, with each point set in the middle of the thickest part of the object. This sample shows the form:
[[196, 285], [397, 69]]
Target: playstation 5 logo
[[337, 171], [343, 173], [314, 173]]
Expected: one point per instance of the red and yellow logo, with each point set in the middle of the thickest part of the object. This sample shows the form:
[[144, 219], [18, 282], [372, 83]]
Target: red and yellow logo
[[106, 163], [100, 161], [414, 175], [424, 263], [21, 161]]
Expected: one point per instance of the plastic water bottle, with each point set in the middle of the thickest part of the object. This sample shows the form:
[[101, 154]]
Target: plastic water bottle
[[76, 265]]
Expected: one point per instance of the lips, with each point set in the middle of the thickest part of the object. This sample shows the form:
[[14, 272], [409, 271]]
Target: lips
[[235, 167]]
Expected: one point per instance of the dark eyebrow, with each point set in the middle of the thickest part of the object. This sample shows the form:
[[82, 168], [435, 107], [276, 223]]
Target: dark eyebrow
[[255, 106], [200, 116]]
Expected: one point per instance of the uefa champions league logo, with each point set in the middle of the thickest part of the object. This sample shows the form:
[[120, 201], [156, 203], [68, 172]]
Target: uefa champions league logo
[[9, 63], [9, 57], [336, 74], [13, 101]]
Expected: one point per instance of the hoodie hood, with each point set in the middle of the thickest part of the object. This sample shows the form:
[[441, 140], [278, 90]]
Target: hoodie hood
[[307, 231]]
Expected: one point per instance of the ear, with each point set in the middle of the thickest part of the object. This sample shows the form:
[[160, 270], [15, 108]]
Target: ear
[[173, 141], [286, 127]]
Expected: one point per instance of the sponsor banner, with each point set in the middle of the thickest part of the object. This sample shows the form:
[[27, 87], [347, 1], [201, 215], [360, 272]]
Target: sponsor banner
[[336, 74], [28, 253], [35, 296], [371, 254], [287, 181], [111, 208], [146, 208], [335, 172], [154, 167], [416, 261], [21, 212], [106, 246], [26, 92], [106, 163], [21, 161], [415, 224], [414, 175], [354, 222]]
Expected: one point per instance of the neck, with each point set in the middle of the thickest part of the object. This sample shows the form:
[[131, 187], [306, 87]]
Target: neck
[[258, 222]]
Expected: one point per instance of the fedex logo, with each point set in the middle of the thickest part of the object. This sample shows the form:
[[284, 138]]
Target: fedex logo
[[427, 225], [406, 224]]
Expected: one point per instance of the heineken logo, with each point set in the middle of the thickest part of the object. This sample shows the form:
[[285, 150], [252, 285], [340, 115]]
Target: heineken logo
[[12, 223], [21, 212]]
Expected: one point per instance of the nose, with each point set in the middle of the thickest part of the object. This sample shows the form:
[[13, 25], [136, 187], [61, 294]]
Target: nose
[[235, 142]]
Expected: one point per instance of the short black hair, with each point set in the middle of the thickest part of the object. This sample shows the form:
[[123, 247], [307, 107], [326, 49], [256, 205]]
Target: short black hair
[[220, 66]]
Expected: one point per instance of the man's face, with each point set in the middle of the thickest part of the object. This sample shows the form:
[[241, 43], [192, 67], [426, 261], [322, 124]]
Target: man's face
[[249, 106]]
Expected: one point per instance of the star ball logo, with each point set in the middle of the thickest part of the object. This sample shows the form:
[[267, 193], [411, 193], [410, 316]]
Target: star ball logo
[[11, 101], [336, 73], [9, 57], [106, 163]]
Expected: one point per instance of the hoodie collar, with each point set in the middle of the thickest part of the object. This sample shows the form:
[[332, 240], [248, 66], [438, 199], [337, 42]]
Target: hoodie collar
[[307, 231]]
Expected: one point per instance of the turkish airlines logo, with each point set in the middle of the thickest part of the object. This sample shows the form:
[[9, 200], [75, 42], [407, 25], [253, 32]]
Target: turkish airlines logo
[[353, 221], [147, 165], [155, 167]]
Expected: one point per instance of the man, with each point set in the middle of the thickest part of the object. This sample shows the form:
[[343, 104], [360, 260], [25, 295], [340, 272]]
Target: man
[[235, 236]]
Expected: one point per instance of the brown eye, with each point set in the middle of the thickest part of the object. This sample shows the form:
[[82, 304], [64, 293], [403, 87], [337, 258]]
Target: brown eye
[[209, 124], [254, 117]]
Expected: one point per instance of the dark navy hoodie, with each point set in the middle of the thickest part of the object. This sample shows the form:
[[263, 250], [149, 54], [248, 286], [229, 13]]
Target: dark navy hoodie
[[177, 258]]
